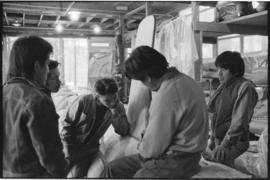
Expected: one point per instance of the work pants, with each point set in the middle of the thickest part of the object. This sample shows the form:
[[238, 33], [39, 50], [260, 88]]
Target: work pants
[[167, 166]]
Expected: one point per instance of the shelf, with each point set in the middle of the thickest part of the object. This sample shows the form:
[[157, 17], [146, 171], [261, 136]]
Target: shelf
[[255, 19], [253, 24]]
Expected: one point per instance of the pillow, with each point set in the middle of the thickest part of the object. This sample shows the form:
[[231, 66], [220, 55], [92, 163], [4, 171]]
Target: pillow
[[138, 106], [217, 170], [255, 163]]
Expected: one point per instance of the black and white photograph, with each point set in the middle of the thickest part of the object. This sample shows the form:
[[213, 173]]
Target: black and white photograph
[[134, 89]]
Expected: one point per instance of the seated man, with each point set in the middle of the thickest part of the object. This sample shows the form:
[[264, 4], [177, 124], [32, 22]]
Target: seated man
[[177, 127], [232, 106], [86, 121]]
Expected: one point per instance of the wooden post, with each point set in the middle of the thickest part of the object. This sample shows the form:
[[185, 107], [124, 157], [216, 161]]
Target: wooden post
[[121, 46], [198, 35], [62, 60], [75, 67], [148, 9]]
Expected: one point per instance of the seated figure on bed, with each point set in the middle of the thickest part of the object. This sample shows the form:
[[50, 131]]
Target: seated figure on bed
[[86, 121], [177, 129], [232, 106]]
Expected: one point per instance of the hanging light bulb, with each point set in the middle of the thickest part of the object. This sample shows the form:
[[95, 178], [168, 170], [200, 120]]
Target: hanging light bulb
[[59, 28], [97, 29], [74, 15], [16, 23]]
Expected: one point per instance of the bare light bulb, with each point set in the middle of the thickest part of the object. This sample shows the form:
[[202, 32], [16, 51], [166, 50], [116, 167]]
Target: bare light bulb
[[74, 15], [97, 29], [59, 28]]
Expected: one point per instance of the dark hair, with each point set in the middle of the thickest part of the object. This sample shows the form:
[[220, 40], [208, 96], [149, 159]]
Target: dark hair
[[145, 61], [106, 86], [232, 61], [24, 53], [53, 64]]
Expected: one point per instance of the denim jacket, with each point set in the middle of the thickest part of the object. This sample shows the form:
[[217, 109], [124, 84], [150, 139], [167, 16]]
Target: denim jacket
[[31, 142]]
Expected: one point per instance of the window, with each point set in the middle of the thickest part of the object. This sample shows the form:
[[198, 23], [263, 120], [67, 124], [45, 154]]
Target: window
[[207, 14], [229, 44], [76, 62], [100, 44], [76, 68], [207, 50], [255, 43]]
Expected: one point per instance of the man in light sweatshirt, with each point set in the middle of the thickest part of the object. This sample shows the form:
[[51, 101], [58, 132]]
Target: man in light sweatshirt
[[177, 129]]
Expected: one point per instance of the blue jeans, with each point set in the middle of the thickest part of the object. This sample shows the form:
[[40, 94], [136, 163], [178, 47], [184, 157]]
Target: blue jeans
[[168, 166]]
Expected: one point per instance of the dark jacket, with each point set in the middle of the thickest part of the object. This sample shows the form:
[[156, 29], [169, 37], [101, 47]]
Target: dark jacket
[[31, 142], [77, 126], [232, 106]]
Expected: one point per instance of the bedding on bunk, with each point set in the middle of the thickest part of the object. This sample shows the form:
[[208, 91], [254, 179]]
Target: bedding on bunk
[[114, 146], [254, 161]]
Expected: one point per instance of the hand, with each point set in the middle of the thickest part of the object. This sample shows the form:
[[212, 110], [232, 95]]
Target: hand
[[219, 153], [116, 107]]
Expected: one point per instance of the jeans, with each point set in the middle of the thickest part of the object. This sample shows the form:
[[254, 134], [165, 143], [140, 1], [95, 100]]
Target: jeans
[[80, 166], [233, 151], [168, 166]]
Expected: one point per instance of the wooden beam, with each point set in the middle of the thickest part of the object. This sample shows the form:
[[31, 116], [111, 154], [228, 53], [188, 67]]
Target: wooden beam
[[51, 31], [69, 7], [209, 40], [23, 19], [57, 19], [121, 56], [112, 24], [60, 35], [198, 36], [135, 11], [103, 20], [40, 19], [131, 21], [57, 11], [222, 29], [247, 29], [68, 24], [148, 9], [5, 14], [210, 27], [33, 21], [88, 19], [65, 13]]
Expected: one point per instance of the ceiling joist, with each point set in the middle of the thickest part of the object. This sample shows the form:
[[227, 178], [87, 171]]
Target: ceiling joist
[[5, 14], [40, 19]]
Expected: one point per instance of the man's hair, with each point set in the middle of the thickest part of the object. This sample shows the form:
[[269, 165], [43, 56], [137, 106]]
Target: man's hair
[[106, 86], [24, 53], [231, 61], [145, 61], [53, 64]]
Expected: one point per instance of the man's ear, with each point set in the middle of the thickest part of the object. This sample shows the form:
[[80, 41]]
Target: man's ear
[[37, 66], [148, 79]]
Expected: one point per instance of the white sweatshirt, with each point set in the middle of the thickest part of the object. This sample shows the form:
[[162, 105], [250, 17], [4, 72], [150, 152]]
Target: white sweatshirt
[[178, 117]]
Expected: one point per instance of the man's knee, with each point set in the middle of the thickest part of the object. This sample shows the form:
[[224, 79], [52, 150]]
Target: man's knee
[[145, 173]]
